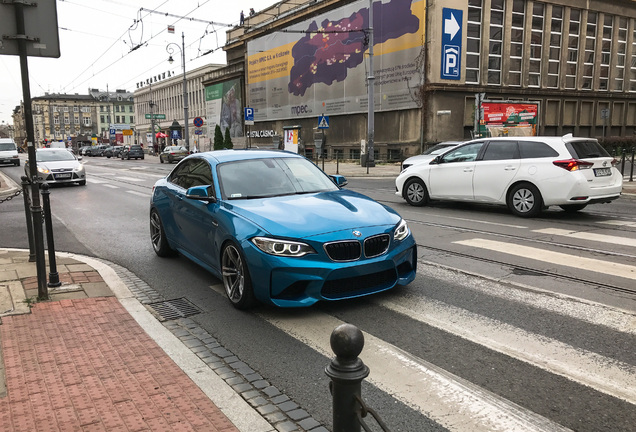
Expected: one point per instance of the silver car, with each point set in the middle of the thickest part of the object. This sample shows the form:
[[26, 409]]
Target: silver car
[[57, 166]]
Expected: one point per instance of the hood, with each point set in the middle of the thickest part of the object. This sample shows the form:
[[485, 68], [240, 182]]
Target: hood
[[55, 165], [304, 216]]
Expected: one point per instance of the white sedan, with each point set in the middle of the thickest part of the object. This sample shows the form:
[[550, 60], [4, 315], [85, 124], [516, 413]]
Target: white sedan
[[527, 174]]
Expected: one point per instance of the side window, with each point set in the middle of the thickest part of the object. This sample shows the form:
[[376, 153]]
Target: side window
[[466, 153], [535, 149], [501, 150], [194, 172]]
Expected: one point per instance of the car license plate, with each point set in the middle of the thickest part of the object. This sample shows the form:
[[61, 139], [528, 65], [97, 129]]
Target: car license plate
[[63, 176], [602, 172]]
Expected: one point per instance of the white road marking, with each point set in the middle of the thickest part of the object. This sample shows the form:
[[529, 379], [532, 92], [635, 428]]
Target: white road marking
[[142, 194], [558, 258], [619, 223], [112, 186], [590, 369], [94, 180], [132, 179], [584, 235], [447, 399]]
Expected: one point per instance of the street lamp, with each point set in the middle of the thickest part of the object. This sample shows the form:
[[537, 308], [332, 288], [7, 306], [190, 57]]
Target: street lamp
[[170, 50]]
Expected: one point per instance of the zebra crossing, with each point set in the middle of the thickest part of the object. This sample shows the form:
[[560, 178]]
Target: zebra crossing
[[454, 402]]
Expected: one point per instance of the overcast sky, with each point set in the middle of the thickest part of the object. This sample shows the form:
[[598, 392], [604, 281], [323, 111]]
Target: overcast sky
[[96, 38]]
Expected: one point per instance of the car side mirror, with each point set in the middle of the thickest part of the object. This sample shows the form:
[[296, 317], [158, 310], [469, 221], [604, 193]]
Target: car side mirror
[[339, 180], [79, 158], [201, 193]]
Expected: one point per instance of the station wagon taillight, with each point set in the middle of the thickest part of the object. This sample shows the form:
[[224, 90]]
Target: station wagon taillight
[[573, 164]]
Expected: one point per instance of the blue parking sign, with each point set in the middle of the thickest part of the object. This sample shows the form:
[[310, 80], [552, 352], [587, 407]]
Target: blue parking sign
[[451, 43], [249, 116]]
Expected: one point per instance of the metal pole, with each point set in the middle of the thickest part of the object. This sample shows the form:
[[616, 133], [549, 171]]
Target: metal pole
[[370, 81], [185, 93], [36, 209], [631, 170], [54, 277], [152, 122], [29, 220], [346, 372]]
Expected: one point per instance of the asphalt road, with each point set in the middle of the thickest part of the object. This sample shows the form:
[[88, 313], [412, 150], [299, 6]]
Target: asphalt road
[[535, 333]]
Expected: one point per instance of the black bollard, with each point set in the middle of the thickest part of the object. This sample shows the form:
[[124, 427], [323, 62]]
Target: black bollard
[[29, 219], [346, 371], [54, 277]]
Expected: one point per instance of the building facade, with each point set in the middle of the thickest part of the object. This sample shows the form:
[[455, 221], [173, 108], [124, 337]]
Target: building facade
[[115, 112], [63, 117], [161, 96], [436, 65]]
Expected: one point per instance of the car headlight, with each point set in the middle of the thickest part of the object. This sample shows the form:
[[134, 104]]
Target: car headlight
[[286, 248], [402, 231], [79, 168], [43, 170]]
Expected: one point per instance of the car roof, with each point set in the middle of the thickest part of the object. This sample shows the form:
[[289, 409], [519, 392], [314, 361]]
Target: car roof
[[222, 156]]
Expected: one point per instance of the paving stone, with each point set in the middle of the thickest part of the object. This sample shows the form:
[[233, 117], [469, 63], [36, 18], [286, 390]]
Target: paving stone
[[266, 409], [271, 391], [309, 423], [288, 406], [287, 427], [258, 401], [298, 414]]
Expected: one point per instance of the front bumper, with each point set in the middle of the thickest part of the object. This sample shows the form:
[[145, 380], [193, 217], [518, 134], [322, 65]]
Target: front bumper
[[299, 282]]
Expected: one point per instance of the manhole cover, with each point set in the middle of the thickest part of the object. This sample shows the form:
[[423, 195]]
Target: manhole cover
[[174, 309]]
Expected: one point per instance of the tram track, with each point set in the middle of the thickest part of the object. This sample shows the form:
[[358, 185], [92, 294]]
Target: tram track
[[526, 270]]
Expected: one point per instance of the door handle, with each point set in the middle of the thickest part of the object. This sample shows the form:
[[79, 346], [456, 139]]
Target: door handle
[[510, 168], [468, 170]]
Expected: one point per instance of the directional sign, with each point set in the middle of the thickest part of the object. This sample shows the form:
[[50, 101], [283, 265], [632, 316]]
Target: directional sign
[[198, 121], [249, 116], [451, 43], [156, 116], [323, 122]]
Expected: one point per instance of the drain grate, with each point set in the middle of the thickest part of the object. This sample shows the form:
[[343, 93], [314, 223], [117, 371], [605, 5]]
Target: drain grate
[[174, 309]]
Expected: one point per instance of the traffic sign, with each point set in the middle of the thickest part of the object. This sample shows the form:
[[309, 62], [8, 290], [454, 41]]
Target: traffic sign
[[156, 116], [198, 131], [198, 121], [451, 43], [249, 116], [323, 122]]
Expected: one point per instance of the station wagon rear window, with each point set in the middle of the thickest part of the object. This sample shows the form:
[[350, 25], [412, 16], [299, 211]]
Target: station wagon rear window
[[586, 149]]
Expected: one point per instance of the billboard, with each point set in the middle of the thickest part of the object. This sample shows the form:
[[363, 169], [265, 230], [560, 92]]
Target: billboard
[[320, 65], [509, 118], [223, 106]]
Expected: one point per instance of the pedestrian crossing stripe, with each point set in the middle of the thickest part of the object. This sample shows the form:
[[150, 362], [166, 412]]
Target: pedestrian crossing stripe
[[602, 238], [558, 258]]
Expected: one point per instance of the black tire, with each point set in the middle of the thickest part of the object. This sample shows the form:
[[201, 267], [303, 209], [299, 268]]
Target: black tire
[[17, 163], [170, 160], [415, 192], [525, 200], [122, 157], [236, 278], [82, 183], [158, 236], [572, 208], [160, 159]]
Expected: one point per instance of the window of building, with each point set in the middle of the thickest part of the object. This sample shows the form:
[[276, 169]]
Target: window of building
[[75, 109], [56, 120], [76, 120], [130, 108], [354, 153], [132, 119], [590, 45], [606, 52], [116, 108], [54, 108], [554, 56], [495, 41], [473, 38], [536, 45], [65, 109], [67, 120], [117, 119], [621, 49], [516, 42], [101, 119], [573, 49], [87, 121], [632, 72]]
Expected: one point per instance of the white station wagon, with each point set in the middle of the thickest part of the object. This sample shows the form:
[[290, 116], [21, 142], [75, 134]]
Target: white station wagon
[[528, 174]]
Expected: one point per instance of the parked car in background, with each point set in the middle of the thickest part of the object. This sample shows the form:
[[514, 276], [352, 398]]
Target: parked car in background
[[430, 153], [273, 227], [173, 154], [527, 174], [113, 151], [57, 166], [9, 152], [95, 150], [82, 150], [132, 152]]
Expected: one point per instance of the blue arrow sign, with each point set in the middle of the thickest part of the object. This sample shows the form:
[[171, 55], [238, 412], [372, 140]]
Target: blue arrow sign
[[451, 43]]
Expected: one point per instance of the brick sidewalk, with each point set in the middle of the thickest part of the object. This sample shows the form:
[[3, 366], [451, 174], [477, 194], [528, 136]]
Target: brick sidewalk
[[86, 365]]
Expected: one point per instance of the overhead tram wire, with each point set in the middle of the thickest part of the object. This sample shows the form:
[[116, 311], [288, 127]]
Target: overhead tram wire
[[100, 56]]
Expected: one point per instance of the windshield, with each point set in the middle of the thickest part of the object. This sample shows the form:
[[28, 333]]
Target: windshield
[[439, 148], [7, 146], [54, 156], [260, 178]]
